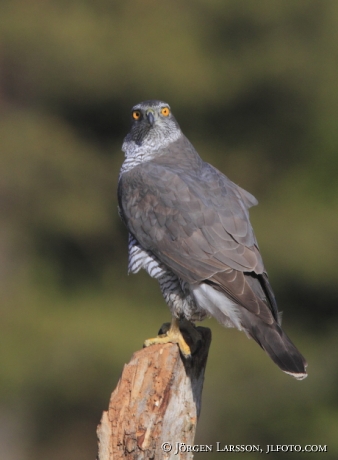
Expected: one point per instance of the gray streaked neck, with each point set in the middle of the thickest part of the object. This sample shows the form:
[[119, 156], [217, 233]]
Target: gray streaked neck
[[136, 154]]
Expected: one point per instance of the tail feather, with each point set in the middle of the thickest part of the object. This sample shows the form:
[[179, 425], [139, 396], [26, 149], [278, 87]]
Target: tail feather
[[276, 344]]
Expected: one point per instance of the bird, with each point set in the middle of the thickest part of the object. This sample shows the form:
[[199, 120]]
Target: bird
[[189, 228]]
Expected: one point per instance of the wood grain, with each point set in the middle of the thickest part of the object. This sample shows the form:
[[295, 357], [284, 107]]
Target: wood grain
[[157, 400]]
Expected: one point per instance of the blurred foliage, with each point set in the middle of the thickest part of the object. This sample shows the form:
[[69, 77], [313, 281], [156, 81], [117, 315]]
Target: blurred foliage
[[254, 86]]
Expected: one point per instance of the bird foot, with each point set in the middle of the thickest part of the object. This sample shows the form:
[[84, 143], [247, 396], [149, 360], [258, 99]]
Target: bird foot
[[180, 332]]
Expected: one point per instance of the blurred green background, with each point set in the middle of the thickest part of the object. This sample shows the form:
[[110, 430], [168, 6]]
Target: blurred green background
[[254, 86]]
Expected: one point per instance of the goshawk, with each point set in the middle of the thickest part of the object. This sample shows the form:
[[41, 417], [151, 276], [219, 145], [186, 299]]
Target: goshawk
[[189, 228]]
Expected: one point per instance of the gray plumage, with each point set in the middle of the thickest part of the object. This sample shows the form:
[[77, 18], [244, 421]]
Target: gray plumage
[[189, 228]]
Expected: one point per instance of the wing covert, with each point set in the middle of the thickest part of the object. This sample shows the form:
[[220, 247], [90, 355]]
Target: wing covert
[[195, 221]]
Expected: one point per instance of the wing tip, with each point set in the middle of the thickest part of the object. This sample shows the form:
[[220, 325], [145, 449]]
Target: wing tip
[[298, 375]]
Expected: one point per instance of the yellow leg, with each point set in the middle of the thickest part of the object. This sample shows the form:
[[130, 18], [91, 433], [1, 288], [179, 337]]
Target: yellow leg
[[173, 335]]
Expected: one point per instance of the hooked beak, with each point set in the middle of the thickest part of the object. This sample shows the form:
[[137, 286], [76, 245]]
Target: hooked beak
[[150, 117]]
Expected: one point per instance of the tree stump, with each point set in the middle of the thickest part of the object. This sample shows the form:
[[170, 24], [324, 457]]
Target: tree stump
[[155, 407]]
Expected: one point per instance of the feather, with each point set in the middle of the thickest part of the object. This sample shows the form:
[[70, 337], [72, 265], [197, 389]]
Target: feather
[[191, 224]]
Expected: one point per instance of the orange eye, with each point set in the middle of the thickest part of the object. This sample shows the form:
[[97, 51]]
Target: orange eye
[[136, 114], [165, 111]]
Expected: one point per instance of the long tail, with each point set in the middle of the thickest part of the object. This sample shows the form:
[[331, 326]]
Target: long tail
[[276, 344]]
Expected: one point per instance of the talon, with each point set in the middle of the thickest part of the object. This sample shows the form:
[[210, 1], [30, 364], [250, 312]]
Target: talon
[[191, 332], [164, 329], [172, 335]]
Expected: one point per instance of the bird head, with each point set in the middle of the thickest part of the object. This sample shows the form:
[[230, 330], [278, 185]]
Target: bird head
[[153, 124]]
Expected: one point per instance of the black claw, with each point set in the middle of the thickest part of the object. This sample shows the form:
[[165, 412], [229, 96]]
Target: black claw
[[164, 329], [187, 357]]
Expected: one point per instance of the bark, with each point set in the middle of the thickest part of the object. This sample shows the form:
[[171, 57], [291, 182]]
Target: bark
[[157, 400]]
